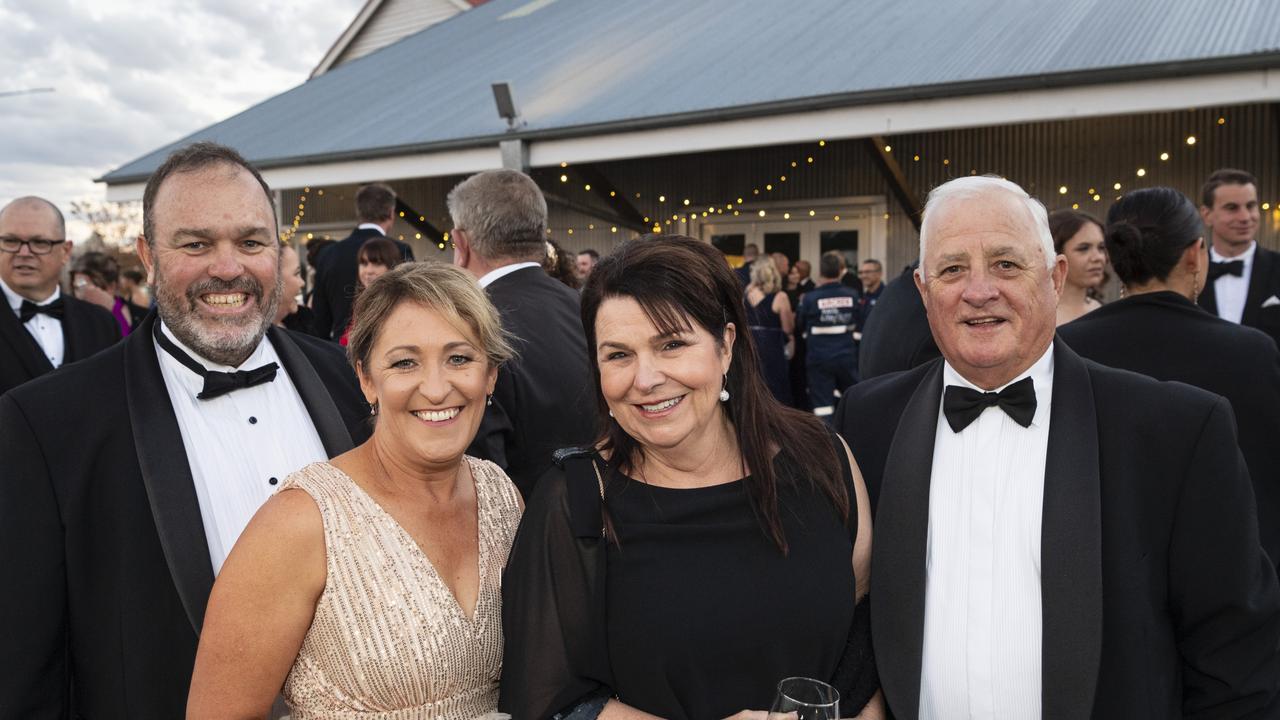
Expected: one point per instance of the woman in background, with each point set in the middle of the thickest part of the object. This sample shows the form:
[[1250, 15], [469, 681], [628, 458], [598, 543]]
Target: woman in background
[[377, 257], [772, 321], [1079, 236], [95, 277]]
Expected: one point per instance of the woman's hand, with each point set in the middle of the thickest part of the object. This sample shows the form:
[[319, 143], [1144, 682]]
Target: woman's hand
[[757, 715], [96, 295]]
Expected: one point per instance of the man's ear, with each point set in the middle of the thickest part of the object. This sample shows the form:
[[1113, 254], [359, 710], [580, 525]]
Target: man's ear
[[144, 254], [461, 248], [1059, 273]]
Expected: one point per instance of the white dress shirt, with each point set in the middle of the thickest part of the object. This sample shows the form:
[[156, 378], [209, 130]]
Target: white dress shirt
[[241, 445], [372, 226], [1231, 291], [982, 619], [46, 330], [488, 278]]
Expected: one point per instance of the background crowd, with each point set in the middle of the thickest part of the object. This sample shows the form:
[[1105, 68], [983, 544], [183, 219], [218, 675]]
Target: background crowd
[[644, 484]]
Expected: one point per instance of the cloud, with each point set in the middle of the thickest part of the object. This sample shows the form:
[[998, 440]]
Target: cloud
[[131, 77]]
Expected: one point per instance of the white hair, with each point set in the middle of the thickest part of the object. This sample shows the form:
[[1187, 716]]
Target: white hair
[[973, 186]]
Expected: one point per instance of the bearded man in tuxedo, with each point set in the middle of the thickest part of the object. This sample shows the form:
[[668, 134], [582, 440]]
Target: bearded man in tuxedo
[[1053, 538], [128, 476]]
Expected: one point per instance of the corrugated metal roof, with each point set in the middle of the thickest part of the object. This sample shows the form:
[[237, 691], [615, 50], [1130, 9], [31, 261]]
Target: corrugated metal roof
[[579, 66]]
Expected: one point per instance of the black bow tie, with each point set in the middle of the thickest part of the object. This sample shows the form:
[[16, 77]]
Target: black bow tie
[[29, 310], [1230, 267], [963, 405], [217, 383]]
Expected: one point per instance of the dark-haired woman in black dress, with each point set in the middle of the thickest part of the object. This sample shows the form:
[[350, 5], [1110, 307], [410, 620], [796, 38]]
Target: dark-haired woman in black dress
[[712, 543]]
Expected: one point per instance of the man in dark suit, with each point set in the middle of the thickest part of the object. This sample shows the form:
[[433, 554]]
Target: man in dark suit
[[896, 336], [1054, 538], [1244, 279], [544, 399], [336, 267], [45, 329], [128, 476]]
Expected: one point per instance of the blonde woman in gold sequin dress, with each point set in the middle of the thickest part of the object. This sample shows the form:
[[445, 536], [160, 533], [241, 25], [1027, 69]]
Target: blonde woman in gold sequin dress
[[368, 587]]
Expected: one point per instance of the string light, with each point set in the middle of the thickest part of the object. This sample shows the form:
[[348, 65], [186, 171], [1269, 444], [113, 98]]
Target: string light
[[786, 216], [762, 213], [1142, 172], [887, 148], [1062, 190], [1191, 139], [1116, 186], [587, 187], [1164, 157], [915, 158], [564, 178], [1222, 121], [662, 198]]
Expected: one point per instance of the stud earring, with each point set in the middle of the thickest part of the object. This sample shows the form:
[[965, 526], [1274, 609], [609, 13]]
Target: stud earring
[[724, 391]]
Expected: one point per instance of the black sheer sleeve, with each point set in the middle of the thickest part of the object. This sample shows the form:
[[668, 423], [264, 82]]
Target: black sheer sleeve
[[553, 598]]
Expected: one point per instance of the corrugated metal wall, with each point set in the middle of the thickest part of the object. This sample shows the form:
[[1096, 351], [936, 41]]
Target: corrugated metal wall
[[1087, 157]]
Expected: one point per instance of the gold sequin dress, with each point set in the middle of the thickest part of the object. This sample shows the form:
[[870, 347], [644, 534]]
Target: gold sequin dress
[[389, 639]]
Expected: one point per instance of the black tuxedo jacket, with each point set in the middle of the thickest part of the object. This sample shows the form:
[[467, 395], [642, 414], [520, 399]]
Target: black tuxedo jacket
[[1168, 337], [86, 329], [545, 398], [1264, 283], [1157, 600], [105, 564], [336, 270], [897, 335]]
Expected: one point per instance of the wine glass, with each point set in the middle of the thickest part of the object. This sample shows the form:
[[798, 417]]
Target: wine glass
[[805, 699]]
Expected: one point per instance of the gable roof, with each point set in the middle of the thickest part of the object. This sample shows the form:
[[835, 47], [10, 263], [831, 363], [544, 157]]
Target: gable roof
[[381, 22], [578, 67]]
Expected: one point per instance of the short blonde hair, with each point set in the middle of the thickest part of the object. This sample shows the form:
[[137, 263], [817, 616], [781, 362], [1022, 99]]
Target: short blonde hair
[[446, 289], [764, 273]]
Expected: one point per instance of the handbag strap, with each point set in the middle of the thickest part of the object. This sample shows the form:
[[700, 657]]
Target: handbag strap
[[585, 492]]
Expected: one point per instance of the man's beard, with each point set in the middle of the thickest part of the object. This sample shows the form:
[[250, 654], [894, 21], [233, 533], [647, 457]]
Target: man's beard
[[226, 341]]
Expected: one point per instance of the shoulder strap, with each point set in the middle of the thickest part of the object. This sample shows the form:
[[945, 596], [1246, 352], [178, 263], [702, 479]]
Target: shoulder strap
[[585, 491]]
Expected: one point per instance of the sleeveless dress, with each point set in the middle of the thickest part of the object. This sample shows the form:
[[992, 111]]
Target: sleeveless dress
[[771, 343], [389, 639]]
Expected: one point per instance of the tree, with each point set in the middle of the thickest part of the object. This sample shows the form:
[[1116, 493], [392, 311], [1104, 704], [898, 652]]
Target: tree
[[117, 223]]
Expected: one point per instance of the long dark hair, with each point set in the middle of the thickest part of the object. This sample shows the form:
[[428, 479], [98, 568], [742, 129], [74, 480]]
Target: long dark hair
[[1148, 230], [679, 281]]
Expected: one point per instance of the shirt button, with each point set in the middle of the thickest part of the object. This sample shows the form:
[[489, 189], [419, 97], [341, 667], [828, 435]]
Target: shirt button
[[273, 481], [253, 420]]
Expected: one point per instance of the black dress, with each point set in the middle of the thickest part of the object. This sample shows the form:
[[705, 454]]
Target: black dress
[[771, 344], [694, 613]]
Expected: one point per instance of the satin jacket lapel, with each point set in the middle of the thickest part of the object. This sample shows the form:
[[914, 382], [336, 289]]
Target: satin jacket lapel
[[1071, 545], [166, 473], [315, 396], [21, 342], [899, 551], [1259, 286]]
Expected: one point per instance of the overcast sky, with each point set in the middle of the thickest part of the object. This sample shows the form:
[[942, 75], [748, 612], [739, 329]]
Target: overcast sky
[[131, 76]]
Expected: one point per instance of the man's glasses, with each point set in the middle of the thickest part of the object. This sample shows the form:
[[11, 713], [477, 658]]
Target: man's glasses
[[38, 246]]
